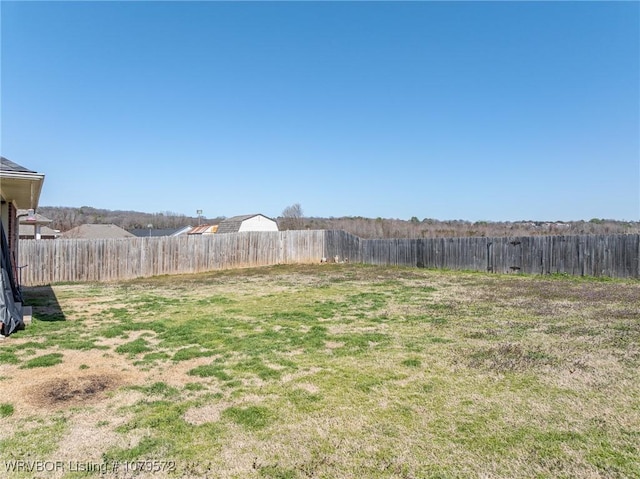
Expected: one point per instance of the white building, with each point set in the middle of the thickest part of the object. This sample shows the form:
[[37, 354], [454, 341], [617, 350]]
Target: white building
[[238, 224]]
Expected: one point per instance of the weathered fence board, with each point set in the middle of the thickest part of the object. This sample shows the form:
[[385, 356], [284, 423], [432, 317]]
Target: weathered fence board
[[52, 261], [585, 255]]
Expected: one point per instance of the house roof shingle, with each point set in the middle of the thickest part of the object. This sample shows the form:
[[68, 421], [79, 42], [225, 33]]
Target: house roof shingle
[[91, 231], [8, 165], [203, 229], [233, 224], [146, 232], [28, 231], [19, 185], [37, 218]]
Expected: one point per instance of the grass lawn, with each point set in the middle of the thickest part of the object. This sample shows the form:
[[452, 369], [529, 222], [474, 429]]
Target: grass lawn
[[326, 371]]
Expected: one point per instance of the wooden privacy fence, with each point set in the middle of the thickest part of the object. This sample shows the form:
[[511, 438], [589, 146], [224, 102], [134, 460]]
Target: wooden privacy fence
[[583, 255], [52, 261]]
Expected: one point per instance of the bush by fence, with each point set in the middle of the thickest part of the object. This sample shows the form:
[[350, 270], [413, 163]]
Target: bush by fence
[[51, 261]]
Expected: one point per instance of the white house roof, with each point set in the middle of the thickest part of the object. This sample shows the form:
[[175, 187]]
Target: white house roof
[[233, 224]]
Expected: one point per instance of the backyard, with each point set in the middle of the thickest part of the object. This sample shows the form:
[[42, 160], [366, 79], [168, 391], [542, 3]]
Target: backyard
[[332, 371]]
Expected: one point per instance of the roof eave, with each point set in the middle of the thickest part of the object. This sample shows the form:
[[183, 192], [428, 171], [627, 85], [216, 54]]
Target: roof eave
[[22, 188]]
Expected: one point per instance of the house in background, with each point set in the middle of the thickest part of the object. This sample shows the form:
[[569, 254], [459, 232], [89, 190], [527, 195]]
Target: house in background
[[34, 226], [92, 231], [151, 232], [203, 230], [19, 189], [46, 233], [238, 224]]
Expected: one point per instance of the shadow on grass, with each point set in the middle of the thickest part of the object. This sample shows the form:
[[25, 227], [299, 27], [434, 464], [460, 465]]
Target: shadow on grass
[[44, 303]]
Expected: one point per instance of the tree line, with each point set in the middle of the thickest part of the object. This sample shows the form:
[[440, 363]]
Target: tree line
[[370, 228], [65, 218]]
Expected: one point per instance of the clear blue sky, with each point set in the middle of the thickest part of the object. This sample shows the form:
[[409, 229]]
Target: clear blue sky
[[449, 110]]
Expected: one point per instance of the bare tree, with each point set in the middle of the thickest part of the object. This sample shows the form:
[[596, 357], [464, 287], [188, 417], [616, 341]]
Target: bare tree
[[292, 218]]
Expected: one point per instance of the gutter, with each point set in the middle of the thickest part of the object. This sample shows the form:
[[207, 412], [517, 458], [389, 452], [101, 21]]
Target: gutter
[[21, 175]]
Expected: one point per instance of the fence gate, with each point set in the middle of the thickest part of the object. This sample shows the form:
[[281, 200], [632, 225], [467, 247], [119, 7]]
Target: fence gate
[[514, 256], [490, 258]]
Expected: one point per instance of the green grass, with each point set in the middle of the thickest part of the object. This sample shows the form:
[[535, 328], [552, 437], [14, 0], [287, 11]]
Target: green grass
[[349, 371], [6, 409], [30, 439], [137, 346], [189, 353], [8, 357], [250, 417], [212, 370], [157, 389], [43, 361]]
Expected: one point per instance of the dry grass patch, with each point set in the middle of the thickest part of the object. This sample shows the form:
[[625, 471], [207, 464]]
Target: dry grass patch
[[208, 413], [81, 377]]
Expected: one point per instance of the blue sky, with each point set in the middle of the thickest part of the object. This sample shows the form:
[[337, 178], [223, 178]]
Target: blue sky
[[497, 111]]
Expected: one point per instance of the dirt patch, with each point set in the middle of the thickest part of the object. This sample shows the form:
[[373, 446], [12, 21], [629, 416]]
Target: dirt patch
[[76, 390], [52, 387]]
